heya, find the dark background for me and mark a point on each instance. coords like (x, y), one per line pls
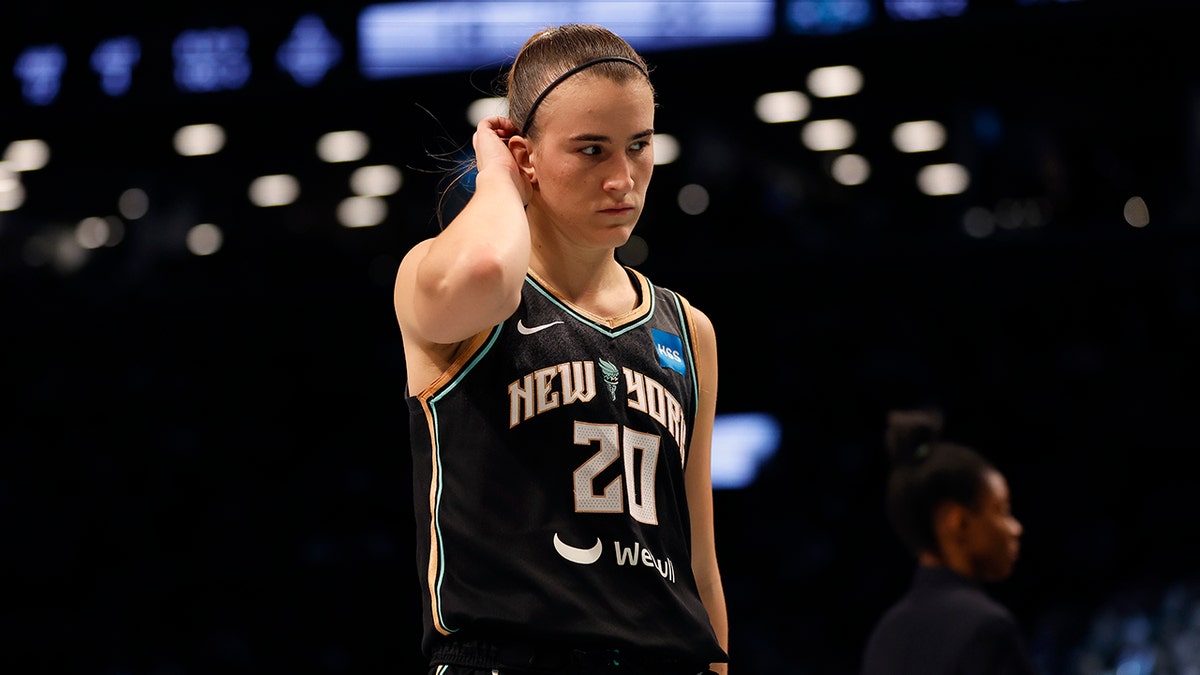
(204, 463)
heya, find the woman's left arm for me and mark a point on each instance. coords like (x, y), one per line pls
(699, 486)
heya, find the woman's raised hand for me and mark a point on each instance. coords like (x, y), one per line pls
(492, 152)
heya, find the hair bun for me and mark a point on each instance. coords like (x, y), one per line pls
(910, 432)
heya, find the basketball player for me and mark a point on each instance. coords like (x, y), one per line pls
(951, 509)
(561, 404)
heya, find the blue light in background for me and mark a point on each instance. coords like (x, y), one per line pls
(309, 52)
(414, 38)
(114, 60)
(827, 17)
(987, 126)
(214, 59)
(40, 70)
(920, 10)
(742, 443)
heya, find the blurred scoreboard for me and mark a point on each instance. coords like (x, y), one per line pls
(231, 47)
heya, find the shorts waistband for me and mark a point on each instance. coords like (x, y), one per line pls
(543, 658)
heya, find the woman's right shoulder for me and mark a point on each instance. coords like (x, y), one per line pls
(417, 252)
(406, 279)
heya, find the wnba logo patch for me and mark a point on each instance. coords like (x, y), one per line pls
(670, 351)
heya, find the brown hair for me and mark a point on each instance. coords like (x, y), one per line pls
(550, 53)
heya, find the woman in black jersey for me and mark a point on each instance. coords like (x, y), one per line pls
(951, 509)
(561, 405)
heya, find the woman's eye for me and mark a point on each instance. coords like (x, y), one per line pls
(639, 146)
(591, 150)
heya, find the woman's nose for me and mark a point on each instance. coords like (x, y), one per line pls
(620, 178)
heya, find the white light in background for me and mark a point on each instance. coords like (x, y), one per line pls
(943, 179)
(1137, 213)
(833, 81)
(12, 191)
(343, 146)
(693, 199)
(69, 256)
(376, 181)
(204, 239)
(133, 203)
(55, 246)
(835, 134)
(666, 148)
(634, 251)
(483, 108)
(361, 211)
(782, 106)
(92, 232)
(979, 222)
(274, 190)
(12, 198)
(29, 154)
(741, 444)
(850, 169)
(919, 136)
(195, 140)
(1011, 213)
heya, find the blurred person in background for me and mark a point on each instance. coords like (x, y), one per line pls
(950, 507)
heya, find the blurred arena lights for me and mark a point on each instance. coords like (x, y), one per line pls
(919, 136)
(850, 169)
(361, 211)
(782, 106)
(274, 190)
(742, 443)
(403, 39)
(849, 135)
(979, 222)
(12, 191)
(834, 81)
(483, 108)
(93, 232)
(666, 149)
(133, 203)
(57, 247)
(195, 140)
(343, 146)
(943, 179)
(693, 199)
(379, 180)
(1136, 212)
(204, 239)
(829, 134)
(28, 154)
(635, 251)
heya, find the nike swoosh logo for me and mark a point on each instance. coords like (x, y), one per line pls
(583, 556)
(530, 331)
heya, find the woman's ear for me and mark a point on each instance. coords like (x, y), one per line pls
(949, 521)
(519, 147)
(956, 518)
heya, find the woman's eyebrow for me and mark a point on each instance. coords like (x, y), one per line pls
(601, 138)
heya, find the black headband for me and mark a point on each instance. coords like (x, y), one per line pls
(550, 87)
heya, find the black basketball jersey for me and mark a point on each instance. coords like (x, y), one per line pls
(549, 480)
